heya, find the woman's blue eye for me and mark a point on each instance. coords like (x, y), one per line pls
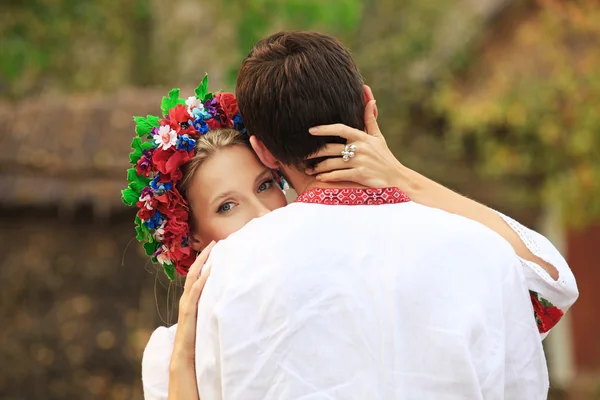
(225, 207)
(265, 185)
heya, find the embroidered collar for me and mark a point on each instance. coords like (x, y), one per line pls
(353, 196)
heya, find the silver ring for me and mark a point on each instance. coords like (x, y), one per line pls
(348, 152)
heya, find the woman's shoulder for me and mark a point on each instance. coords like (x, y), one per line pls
(155, 363)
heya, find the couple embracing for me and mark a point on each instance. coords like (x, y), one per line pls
(376, 283)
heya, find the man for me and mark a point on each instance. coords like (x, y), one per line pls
(355, 293)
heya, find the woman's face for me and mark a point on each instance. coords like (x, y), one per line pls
(230, 189)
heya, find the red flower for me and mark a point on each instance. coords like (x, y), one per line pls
(168, 163)
(213, 124)
(179, 114)
(175, 208)
(226, 122)
(144, 164)
(546, 316)
(144, 213)
(176, 161)
(185, 258)
(228, 104)
(160, 158)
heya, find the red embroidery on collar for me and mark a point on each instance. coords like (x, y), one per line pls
(354, 196)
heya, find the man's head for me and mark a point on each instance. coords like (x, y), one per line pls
(292, 81)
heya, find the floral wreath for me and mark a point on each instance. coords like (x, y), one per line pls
(161, 147)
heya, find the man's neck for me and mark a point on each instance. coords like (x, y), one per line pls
(303, 183)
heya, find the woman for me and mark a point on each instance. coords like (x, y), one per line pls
(199, 160)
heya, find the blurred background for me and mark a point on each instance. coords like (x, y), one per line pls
(497, 99)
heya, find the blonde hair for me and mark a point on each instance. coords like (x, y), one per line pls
(206, 146)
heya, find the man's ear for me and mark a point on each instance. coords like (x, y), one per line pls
(264, 155)
(368, 93)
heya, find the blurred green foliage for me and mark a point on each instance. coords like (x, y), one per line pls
(534, 111)
(71, 44)
(532, 118)
(256, 19)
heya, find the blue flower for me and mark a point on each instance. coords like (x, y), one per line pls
(238, 123)
(155, 221)
(185, 143)
(159, 187)
(201, 126)
(197, 113)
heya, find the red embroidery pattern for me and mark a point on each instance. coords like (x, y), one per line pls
(546, 314)
(354, 196)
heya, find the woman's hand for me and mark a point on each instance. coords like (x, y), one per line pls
(373, 164)
(182, 377)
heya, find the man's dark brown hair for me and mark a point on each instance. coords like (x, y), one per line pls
(292, 81)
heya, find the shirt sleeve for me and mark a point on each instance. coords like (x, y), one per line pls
(550, 298)
(155, 364)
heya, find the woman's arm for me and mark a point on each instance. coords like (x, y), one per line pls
(182, 368)
(551, 282)
(429, 193)
(168, 364)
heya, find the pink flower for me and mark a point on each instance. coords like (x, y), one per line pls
(163, 255)
(166, 137)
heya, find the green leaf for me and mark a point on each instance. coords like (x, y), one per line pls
(136, 145)
(132, 176)
(147, 145)
(130, 197)
(143, 126)
(202, 90)
(140, 235)
(171, 101)
(151, 247)
(138, 148)
(142, 231)
(170, 271)
(139, 185)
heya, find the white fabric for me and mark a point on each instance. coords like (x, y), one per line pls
(562, 293)
(155, 363)
(367, 302)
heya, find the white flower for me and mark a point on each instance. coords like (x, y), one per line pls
(147, 200)
(163, 256)
(191, 103)
(166, 137)
(159, 233)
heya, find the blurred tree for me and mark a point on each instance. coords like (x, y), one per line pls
(72, 44)
(256, 19)
(528, 107)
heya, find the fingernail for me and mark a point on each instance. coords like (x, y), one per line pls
(308, 171)
(319, 177)
(313, 130)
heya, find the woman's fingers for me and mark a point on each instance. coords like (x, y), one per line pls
(343, 175)
(330, 164)
(343, 131)
(189, 300)
(370, 118)
(329, 150)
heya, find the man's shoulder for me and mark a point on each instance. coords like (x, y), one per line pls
(409, 222)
